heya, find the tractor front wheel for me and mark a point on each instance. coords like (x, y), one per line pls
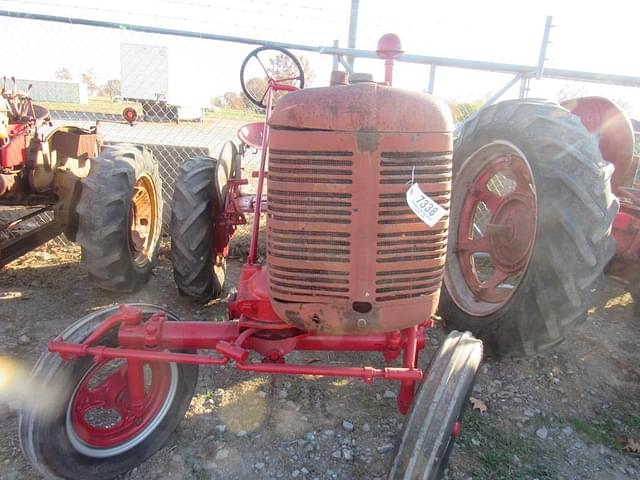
(434, 421)
(530, 220)
(120, 217)
(86, 426)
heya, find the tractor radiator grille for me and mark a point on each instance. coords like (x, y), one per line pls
(309, 208)
(409, 254)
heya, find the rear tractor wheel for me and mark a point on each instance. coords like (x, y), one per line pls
(434, 422)
(531, 212)
(120, 218)
(85, 426)
(198, 266)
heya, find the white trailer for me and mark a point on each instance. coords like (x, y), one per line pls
(153, 76)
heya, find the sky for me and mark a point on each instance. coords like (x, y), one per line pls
(584, 37)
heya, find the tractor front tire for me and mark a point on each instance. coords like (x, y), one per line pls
(120, 218)
(198, 270)
(434, 420)
(546, 242)
(82, 425)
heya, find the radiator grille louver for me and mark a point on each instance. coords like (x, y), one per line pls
(319, 219)
(415, 243)
(310, 208)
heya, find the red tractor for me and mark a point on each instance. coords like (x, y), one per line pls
(619, 141)
(107, 198)
(359, 208)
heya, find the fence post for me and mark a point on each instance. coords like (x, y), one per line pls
(353, 28)
(432, 79)
(543, 48)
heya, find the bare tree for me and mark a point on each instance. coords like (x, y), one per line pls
(282, 66)
(63, 73)
(89, 79)
(112, 89)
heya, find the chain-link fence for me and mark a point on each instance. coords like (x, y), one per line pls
(186, 92)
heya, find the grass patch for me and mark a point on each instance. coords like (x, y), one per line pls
(609, 427)
(239, 115)
(505, 455)
(95, 105)
(108, 106)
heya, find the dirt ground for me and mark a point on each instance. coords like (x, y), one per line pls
(566, 414)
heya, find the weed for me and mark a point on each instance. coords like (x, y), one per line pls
(609, 426)
(506, 455)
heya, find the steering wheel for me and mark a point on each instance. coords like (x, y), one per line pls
(290, 73)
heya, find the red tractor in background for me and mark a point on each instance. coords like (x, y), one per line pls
(370, 206)
(619, 141)
(107, 198)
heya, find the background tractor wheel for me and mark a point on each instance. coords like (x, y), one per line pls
(120, 217)
(433, 423)
(529, 234)
(198, 270)
(84, 426)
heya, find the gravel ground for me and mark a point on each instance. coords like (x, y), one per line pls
(562, 415)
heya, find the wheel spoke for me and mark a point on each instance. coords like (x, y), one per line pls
(470, 246)
(266, 72)
(521, 179)
(287, 79)
(489, 198)
(264, 94)
(138, 193)
(490, 285)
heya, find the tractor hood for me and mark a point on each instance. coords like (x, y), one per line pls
(362, 107)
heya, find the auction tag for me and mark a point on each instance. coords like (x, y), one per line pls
(423, 206)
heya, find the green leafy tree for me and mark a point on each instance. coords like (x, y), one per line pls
(463, 110)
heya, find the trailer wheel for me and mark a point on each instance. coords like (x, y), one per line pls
(83, 427)
(434, 420)
(198, 269)
(530, 220)
(120, 217)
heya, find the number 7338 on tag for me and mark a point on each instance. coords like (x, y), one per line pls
(424, 206)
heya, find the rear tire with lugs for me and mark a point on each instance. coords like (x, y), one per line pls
(198, 270)
(120, 217)
(544, 244)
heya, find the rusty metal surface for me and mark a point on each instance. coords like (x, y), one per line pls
(364, 107)
(615, 134)
(346, 255)
(75, 143)
(16, 247)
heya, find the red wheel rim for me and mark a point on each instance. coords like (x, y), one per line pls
(493, 243)
(100, 415)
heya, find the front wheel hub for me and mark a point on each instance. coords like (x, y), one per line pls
(511, 232)
(101, 419)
